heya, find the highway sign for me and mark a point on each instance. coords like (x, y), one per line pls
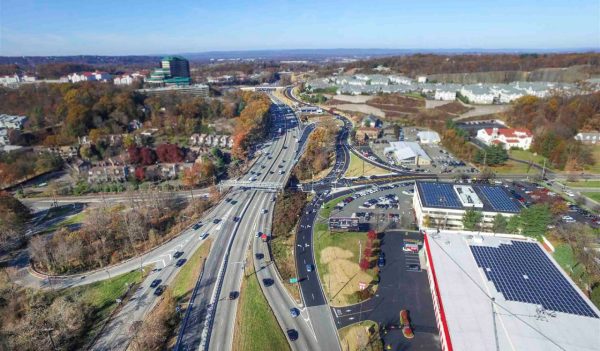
(293, 280)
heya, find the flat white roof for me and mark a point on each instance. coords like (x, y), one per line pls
(467, 196)
(475, 322)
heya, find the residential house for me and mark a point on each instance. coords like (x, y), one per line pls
(478, 94)
(106, 172)
(363, 134)
(507, 137)
(400, 80)
(371, 121)
(588, 137)
(421, 79)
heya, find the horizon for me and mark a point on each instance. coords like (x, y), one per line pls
(35, 28)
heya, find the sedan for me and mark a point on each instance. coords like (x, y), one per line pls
(159, 290)
(180, 262)
(292, 334)
(294, 312)
(309, 267)
(155, 283)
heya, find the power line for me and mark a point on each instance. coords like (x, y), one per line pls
(493, 299)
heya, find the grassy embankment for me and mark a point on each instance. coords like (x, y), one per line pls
(337, 256)
(256, 327)
(355, 168)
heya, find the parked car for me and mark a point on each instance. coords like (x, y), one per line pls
(380, 262)
(292, 334)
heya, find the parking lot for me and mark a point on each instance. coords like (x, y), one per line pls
(401, 287)
(383, 207)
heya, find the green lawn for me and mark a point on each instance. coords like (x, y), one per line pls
(563, 254)
(102, 295)
(355, 168)
(415, 95)
(528, 156)
(256, 326)
(361, 336)
(584, 184)
(593, 196)
(186, 278)
(513, 167)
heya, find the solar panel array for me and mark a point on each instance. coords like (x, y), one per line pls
(438, 195)
(498, 199)
(522, 272)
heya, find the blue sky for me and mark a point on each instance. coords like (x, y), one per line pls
(112, 27)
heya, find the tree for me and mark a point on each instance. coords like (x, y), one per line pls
(514, 224)
(147, 156)
(472, 219)
(135, 156)
(534, 220)
(371, 234)
(491, 155)
(500, 224)
(169, 153)
(426, 221)
(367, 252)
(364, 264)
(140, 173)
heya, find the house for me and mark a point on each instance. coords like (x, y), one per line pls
(421, 79)
(408, 152)
(400, 80)
(371, 121)
(509, 137)
(4, 137)
(445, 92)
(195, 139)
(65, 152)
(108, 173)
(367, 133)
(378, 79)
(428, 137)
(588, 137)
(223, 140)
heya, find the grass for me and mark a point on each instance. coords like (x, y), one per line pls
(595, 168)
(414, 95)
(563, 254)
(185, 280)
(336, 256)
(102, 297)
(584, 184)
(361, 336)
(256, 327)
(355, 169)
(593, 196)
(528, 156)
(513, 167)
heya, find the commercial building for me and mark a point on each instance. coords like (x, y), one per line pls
(428, 137)
(346, 224)
(500, 292)
(507, 137)
(408, 152)
(12, 121)
(174, 70)
(96, 76)
(443, 205)
(194, 90)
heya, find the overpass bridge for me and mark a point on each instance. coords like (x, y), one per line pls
(268, 186)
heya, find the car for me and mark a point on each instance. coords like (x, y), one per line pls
(216, 220)
(155, 283)
(294, 312)
(259, 256)
(228, 199)
(177, 254)
(292, 334)
(159, 290)
(180, 262)
(197, 226)
(236, 219)
(264, 210)
(414, 267)
(380, 262)
(233, 295)
(268, 281)
(309, 267)
(204, 236)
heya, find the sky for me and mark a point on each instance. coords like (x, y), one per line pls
(124, 27)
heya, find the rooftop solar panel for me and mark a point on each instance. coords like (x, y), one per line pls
(498, 199)
(522, 272)
(438, 195)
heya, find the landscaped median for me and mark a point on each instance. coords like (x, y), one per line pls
(256, 327)
(337, 255)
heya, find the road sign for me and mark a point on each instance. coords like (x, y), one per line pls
(293, 280)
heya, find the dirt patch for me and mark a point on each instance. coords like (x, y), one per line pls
(361, 108)
(354, 99)
(343, 275)
(361, 336)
